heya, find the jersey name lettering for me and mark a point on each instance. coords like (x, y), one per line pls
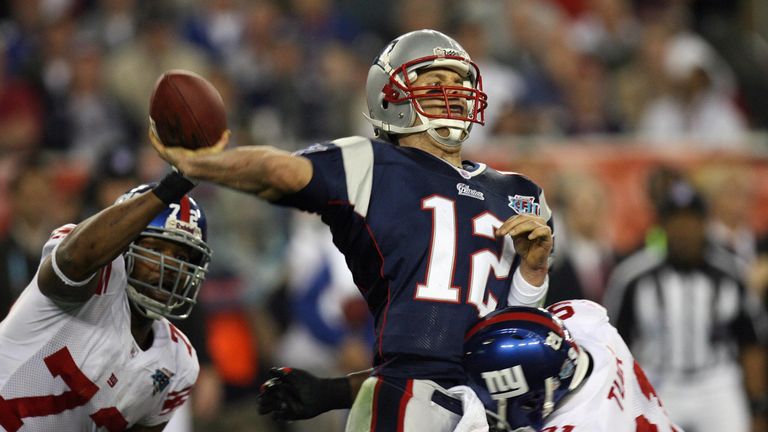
(617, 389)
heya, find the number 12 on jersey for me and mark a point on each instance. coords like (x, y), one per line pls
(437, 285)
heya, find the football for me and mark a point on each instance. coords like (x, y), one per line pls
(186, 110)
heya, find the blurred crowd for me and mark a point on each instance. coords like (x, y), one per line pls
(75, 82)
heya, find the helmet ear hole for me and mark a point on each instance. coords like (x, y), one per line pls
(385, 104)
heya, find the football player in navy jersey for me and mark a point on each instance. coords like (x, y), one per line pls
(434, 242)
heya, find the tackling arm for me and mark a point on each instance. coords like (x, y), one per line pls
(295, 394)
(93, 244)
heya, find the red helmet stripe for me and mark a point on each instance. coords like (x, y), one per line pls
(515, 316)
(184, 211)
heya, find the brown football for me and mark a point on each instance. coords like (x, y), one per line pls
(186, 110)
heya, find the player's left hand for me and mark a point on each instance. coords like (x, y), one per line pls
(533, 240)
(295, 394)
(176, 156)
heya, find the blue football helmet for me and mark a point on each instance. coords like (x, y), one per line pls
(521, 362)
(182, 222)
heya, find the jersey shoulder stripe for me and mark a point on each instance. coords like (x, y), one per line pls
(357, 154)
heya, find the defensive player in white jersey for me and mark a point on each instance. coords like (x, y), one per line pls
(87, 346)
(565, 369)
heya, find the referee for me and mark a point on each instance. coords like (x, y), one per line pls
(691, 323)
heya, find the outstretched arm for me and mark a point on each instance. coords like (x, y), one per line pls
(295, 394)
(67, 273)
(264, 171)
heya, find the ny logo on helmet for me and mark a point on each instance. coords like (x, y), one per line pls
(509, 382)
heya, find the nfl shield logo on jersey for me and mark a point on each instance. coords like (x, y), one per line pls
(160, 380)
(522, 204)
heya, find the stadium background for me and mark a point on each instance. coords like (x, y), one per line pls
(594, 93)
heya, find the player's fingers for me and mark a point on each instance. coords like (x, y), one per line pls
(271, 396)
(519, 227)
(542, 232)
(170, 154)
(278, 372)
(222, 142)
(155, 141)
(514, 225)
(216, 148)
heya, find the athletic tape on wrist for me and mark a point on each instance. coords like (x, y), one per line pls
(172, 187)
(67, 281)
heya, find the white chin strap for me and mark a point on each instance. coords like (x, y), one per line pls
(458, 130)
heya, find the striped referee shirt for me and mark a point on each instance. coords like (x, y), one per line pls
(681, 321)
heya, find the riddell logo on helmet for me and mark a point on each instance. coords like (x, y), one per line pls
(446, 52)
(179, 225)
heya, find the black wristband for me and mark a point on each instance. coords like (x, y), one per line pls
(338, 393)
(173, 187)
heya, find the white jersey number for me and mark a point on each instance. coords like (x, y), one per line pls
(442, 256)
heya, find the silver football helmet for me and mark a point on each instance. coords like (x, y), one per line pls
(394, 103)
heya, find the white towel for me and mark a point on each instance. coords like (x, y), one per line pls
(474, 419)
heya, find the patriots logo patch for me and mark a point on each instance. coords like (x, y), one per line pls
(160, 380)
(522, 204)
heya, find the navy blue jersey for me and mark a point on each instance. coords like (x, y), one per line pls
(418, 236)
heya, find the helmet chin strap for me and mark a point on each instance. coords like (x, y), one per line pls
(458, 130)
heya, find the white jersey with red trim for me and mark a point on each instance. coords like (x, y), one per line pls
(76, 366)
(616, 397)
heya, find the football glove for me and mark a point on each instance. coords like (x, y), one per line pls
(294, 394)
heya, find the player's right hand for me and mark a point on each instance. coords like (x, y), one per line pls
(294, 394)
(176, 156)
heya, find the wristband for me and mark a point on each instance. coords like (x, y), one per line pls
(174, 186)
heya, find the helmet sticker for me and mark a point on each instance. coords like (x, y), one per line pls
(445, 52)
(553, 341)
(506, 383)
(176, 220)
